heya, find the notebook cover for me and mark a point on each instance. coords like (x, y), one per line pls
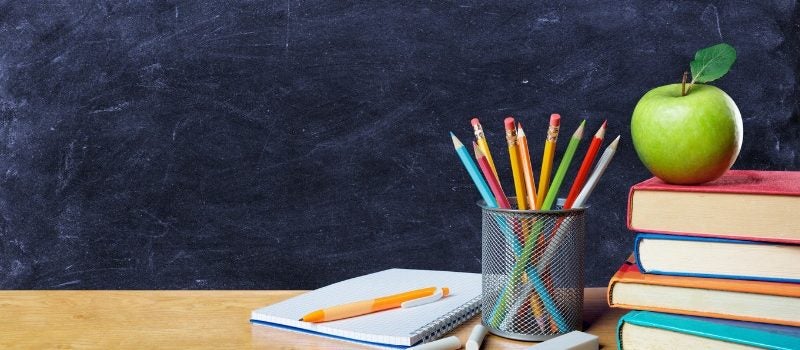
(783, 183)
(629, 273)
(645, 270)
(746, 333)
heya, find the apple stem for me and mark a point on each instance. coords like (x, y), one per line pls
(683, 83)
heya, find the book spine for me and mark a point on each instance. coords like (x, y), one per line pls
(629, 214)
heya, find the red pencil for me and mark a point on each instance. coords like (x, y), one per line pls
(486, 169)
(583, 172)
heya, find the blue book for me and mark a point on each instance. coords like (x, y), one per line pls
(648, 330)
(717, 258)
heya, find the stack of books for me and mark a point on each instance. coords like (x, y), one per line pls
(714, 266)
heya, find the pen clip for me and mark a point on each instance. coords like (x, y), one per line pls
(438, 294)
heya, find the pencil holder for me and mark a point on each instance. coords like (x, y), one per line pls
(532, 272)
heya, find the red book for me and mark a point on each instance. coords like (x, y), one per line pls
(742, 204)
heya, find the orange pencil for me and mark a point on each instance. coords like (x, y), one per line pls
(591, 154)
(527, 170)
(516, 164)
(547, 158)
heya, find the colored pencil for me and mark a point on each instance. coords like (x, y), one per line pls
(602, 164)
(552, 193)
(530, 200)
(474, 173)
(516, 164)
(483, 162)
(547, 158)
(588, 160)
(527, 169)
(558, 235)
(480, 137)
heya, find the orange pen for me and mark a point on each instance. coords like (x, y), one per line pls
(364, 307)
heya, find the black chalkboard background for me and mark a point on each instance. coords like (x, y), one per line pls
(290, 145)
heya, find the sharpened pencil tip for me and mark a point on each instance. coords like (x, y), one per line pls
(614, 143)
(477, 150)
(601, 133)
(456, 142)
(579, 133)
(520, 132)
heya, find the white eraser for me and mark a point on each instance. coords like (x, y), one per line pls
(574, 340)
(449, 343)
(476, 337)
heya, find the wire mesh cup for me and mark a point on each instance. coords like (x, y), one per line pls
(532, 272)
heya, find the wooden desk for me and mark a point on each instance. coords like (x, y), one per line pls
(191, 320)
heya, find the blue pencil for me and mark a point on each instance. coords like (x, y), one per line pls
(474, 173)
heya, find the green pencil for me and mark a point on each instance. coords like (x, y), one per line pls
(562, 168)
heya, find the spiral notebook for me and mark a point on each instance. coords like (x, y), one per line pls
(395, 328)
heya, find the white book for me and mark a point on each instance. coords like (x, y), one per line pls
(400, 327)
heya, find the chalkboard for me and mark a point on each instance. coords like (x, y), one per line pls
(271, 145)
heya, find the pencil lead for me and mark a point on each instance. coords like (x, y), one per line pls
(520, 132)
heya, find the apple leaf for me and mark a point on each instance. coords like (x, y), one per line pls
(712, 63)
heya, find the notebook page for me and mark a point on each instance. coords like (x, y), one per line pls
(396, 326)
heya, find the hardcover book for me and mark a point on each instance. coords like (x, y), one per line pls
(717, 258)
(654, 330)
(756, 301)
(742, 204)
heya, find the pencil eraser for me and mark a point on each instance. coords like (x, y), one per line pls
(449, 343)
(574, 340)
(509, 122)
(475, 122)
(555, 119)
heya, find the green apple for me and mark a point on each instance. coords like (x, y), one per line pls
(687, 139)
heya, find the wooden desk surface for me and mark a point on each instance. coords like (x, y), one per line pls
(192, 320)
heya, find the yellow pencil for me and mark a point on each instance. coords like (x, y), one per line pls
(547, 158)
(480, 137)
(519, 185)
